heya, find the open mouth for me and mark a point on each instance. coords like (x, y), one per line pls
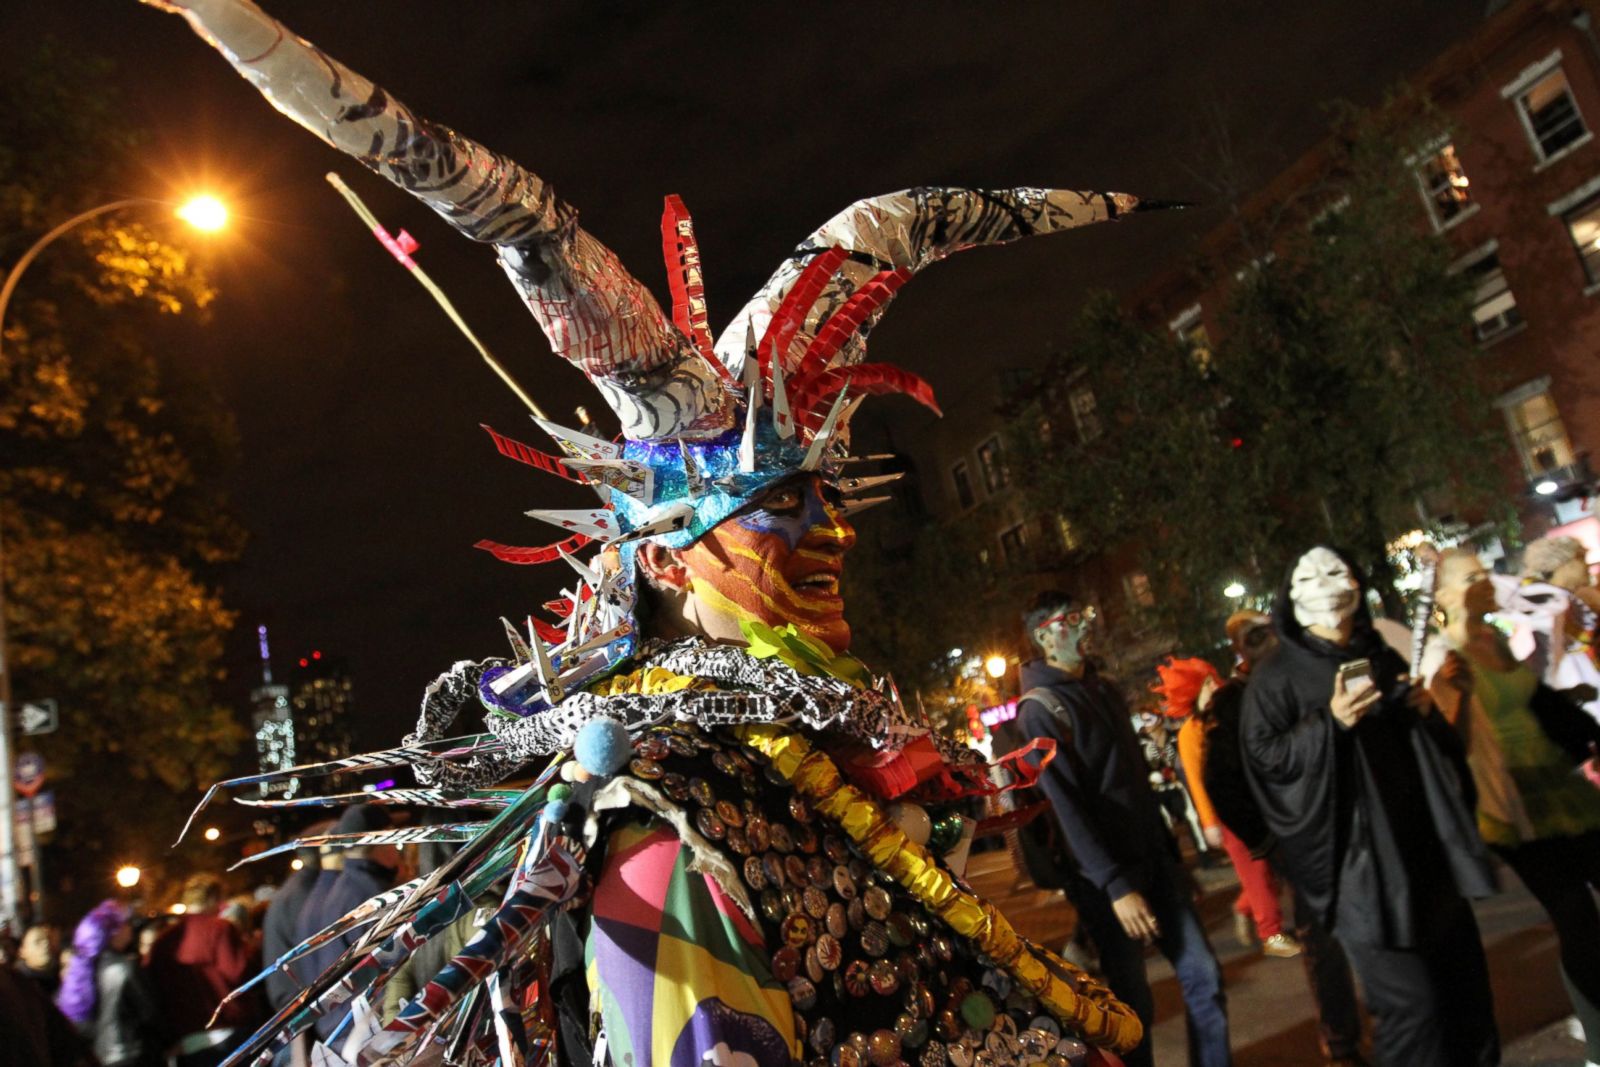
(822, 582)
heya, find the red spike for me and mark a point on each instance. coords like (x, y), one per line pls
(796, 303)
(535, 554)
(843, 324)
(874, 378)
(550, 635)
(533, 457)
(686, 281)
(561, 607)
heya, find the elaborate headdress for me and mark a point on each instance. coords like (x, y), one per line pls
(707, 426)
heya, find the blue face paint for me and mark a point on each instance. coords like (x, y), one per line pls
(790, 511)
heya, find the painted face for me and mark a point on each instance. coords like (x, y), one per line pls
(1062, 636)
(1324, 591)
(778, 561)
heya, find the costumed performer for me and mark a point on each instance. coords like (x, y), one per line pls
(1361, 782)
(739, 865)
(1524, 741)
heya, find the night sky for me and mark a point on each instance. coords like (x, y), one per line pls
(365, 478)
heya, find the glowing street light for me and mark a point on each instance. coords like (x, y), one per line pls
(128, 877)
(297, 864)
(178, 909)
(205, 213)
(212, 833)
(1233, 590)
(1546, 487)
(995, 666)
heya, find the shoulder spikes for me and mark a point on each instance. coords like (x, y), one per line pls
(589, 575)
(519, 648)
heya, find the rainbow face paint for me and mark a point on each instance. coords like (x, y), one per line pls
(779, 561)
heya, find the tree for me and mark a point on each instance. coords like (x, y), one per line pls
(1342, 397)
(111, 506)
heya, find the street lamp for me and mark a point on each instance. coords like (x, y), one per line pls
(128, 877)
(212, 833)
(1233, 590)
(204, 213)
(995, 666)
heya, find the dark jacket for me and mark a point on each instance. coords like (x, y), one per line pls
(1374, 822)
(124, 1011)
(1225, 780)
(278, 931)
(1098, 784)
(360, 880)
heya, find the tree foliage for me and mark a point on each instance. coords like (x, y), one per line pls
(111, 509)
(1343, 396)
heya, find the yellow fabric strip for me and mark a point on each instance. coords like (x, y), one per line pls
(1070, 995)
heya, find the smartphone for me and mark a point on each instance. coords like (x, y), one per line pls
(1356, 675)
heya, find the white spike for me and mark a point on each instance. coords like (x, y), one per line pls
(599, 640)
(781, 420)
(618, 475)
(752, 410)
(861, 485)
(676, 517)
(578, 444)
(691, 473)
(819, 443)
(519, 647)
(853, 508)
(547, 673)
(586, 573)
(599, 524)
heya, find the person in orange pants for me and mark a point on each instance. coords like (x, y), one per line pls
(1186, 689)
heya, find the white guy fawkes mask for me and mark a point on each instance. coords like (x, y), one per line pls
(1323, 590)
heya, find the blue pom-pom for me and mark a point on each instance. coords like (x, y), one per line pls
(555, 811)
(602, 747)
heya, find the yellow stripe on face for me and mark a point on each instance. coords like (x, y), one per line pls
(776, 576)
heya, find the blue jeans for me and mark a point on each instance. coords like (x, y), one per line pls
(1183, 942)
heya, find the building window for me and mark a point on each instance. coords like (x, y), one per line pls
(1445, 187)
(1536, 428)
(1550, 114)
(963, 483)
(1583, 225)
(993, 466)
(1494, 306)
(1013, 545)
(1136, 586)
(1081, 401)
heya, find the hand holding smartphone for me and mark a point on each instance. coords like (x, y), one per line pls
(1354, 692)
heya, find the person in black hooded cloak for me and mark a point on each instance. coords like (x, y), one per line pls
(1366, 791)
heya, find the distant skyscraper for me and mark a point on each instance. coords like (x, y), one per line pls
(321, 697)
(274, 724)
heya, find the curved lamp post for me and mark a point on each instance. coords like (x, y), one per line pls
(203, 213)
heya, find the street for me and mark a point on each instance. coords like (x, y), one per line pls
(1271, 1017)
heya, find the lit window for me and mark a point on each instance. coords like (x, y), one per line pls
(1081, 401)
(1494, 306)
(1536, 428)
(1136, 585)
(1444, 186)
(1013, 545)
(1583, 224)
(992, 464)
(1550, 114)
(1066, 536)
(963, 483)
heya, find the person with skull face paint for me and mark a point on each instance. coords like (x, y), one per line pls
(1129, 886)
(1359, 781)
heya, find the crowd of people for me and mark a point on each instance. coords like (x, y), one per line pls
(135, 991)
(1376, 793)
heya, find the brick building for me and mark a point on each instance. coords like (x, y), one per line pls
(1512, 183)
